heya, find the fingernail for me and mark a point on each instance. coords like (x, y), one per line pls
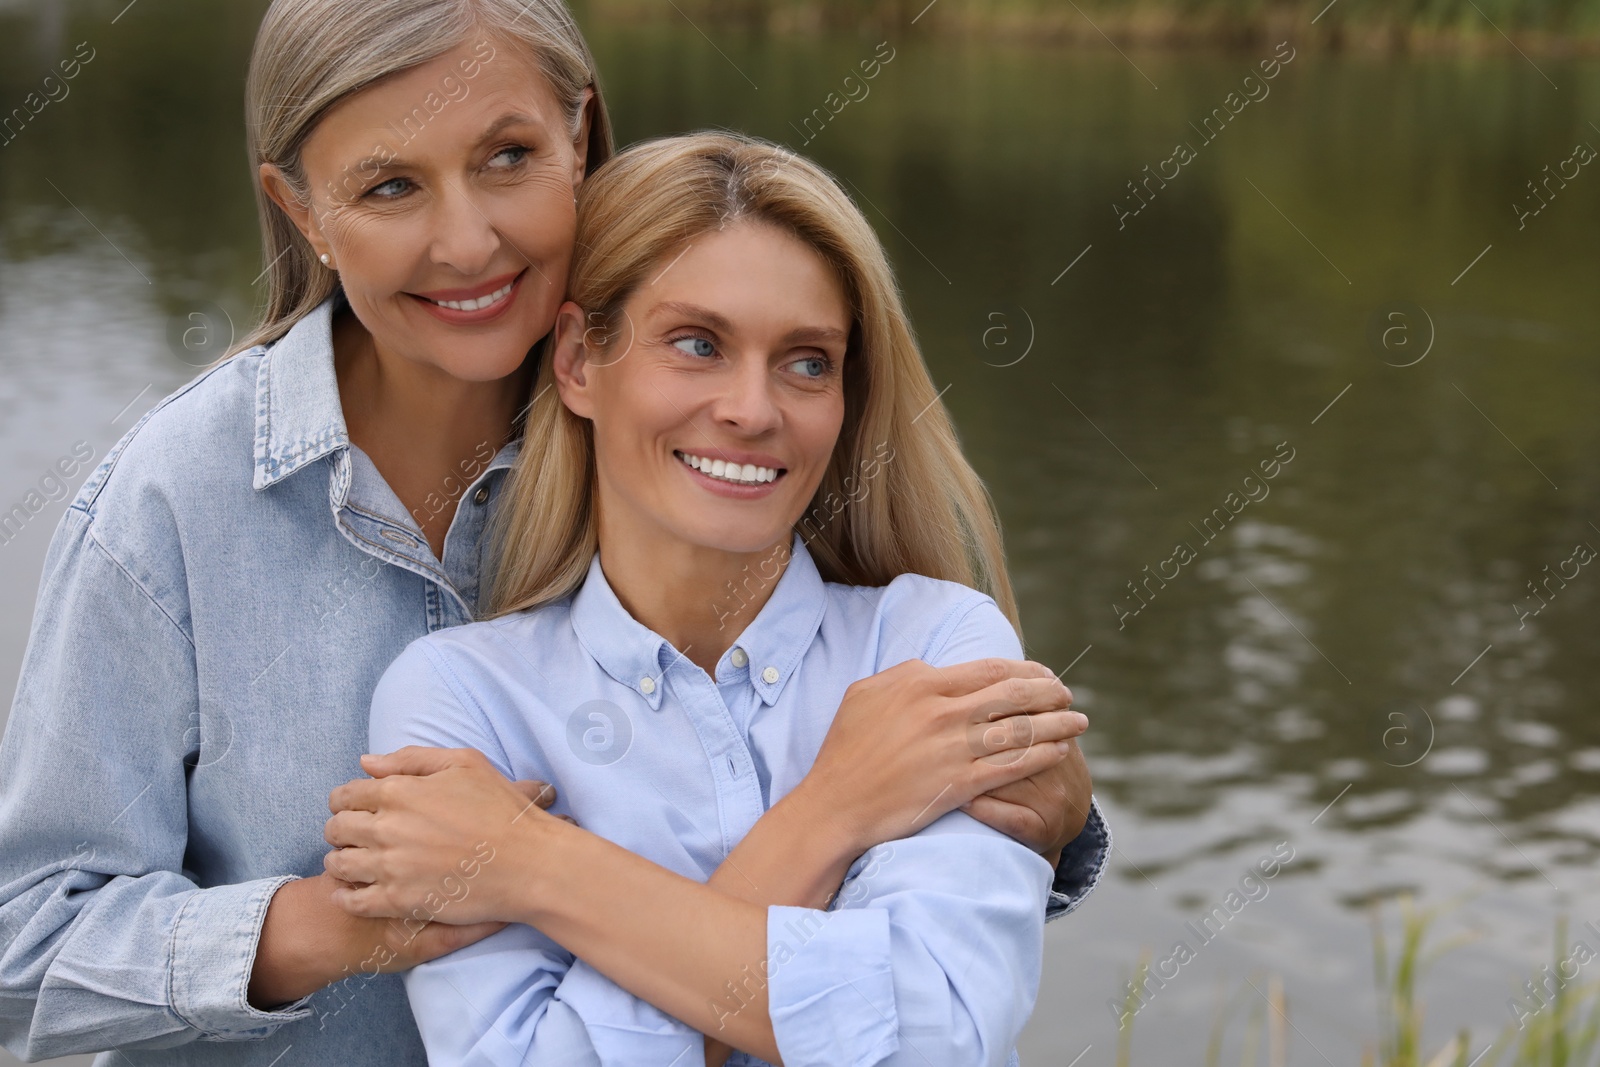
(1063, 747)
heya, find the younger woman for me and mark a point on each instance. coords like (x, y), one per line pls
(739, 496)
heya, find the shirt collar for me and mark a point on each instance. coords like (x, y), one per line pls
(773, 643)
(298, 415)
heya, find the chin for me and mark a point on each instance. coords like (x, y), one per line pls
(484, 363)
(737, 538)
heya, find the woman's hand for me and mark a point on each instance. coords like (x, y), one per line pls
(914, 742)
(418, 841)
(1046, 812)
(307, 942)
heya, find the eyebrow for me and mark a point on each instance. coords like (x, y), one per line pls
(511, 118)
(693, 311)
(495, 129)
(799, 335)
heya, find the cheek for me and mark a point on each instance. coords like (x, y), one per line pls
(540, 217)
(540, 225)
(634, 408)
(371, 252)
(817, 427)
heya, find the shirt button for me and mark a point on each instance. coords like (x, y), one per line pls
(770, 675)
(739, 657)
(481, 497)
(648, 685)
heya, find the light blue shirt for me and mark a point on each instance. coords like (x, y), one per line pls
(216, 607)
(931, 952)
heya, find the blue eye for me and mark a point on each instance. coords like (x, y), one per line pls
(815, 367)
(521, 151)
(697, 346)
(378, 190)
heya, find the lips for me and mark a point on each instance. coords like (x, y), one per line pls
(735, 473)
(480, 303)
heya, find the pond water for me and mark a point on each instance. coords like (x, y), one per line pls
(1295, 443)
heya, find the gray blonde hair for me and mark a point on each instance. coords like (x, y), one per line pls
(310, 54)
(898, 497)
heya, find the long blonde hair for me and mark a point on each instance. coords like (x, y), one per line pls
(310, 54)
(924, 511)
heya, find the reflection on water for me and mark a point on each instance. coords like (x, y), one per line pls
(1380, 653)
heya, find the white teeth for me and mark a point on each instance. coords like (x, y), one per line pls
(480, 303)
(741, 474)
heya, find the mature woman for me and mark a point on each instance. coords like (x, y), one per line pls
(227, 588)
(712, 402)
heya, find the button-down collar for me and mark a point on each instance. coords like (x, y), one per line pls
(774, 642)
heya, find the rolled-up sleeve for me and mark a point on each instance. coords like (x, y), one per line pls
(103, 941)
(515, 997)
(930, 954)
(1082, 865)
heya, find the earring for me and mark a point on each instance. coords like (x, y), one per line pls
(325, 259)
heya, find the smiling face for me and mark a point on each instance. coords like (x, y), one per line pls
(716, 410)
(443, 196)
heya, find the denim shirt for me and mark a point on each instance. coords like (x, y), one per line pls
(217, 606)
(929, 953)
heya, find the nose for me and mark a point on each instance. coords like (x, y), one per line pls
(747, 402)
(464, 238)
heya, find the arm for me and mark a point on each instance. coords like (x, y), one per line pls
(982, 632)
(1052, 810)
(935, 945)
(798, 852)
(416, 705)
(933, 954)
(103, 942)
(517, 996)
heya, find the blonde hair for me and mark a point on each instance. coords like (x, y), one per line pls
(310, 54)
(925, 511)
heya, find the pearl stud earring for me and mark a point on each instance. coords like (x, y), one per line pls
(325, 259)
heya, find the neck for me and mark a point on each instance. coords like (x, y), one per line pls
(417, 415)
(700, 599)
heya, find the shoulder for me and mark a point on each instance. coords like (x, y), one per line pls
(917, 617)
(196, 441)
(451, 688)
(162, 481)
(481, 662)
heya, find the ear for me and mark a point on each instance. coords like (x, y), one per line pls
(278, 191)
(580, 144)
(569, 361)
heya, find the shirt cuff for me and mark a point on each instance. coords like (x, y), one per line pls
(1083, 864)
(212, 953)
(830, 990)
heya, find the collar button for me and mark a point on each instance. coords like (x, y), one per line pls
(647, 685)
(770, 676)
(481, 497)
(739, 657)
